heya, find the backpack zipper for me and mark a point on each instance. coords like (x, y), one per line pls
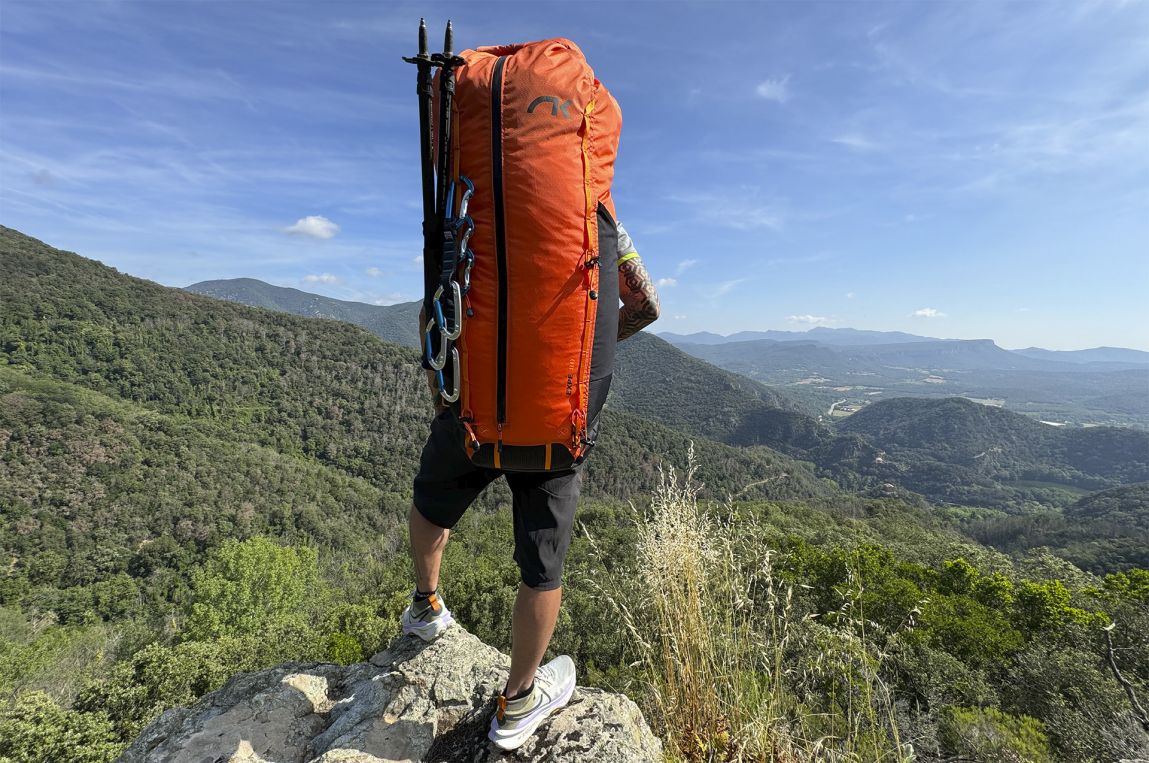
(500, 236)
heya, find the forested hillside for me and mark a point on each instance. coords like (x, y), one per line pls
(394, 323)
(964, 452)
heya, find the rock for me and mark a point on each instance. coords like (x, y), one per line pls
(412, 702)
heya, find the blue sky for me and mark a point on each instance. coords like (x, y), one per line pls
(956, 169)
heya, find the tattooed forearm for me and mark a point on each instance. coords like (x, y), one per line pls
(639, 300)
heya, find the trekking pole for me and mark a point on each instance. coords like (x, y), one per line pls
(446, 301)
(431, 231)
(446, 61)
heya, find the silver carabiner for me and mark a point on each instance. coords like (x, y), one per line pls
(470, 259)
(439, 362)
(457, 326)
(454, 378)
(468, 226)
(466, 195)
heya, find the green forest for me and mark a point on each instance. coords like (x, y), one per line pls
(191, 488)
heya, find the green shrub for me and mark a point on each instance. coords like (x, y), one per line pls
(987, 735)
(37, 730)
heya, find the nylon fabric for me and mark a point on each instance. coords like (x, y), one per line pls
(558, 154)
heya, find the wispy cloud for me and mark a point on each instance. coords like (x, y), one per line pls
(663, 283)
(684, 266)
(775, 89)
(927, 312)
(327, 278)
(313, 226)
(374, 272)
(856, 141)
(721, 289)
(811, 320)
(737, 209)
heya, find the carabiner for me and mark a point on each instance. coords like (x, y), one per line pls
(456, 328)
(469, 258)
(468, 226)
(438, 362)
(466, 195)
(454, 378)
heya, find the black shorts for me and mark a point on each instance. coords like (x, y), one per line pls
(543, 502)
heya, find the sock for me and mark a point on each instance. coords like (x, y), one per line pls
(521, 694)
(423, 596)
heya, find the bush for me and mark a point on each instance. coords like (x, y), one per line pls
(37, 730)
(247, 585)
(987, 735)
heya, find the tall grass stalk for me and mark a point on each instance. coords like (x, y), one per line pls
(716, 636)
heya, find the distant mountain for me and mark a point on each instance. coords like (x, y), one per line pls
(658, 381)
(923, 354)
(849, 377)
(831, 336)
(1100, 355)
(964, 452)
(395, 323)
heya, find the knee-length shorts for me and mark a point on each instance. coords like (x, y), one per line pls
(543, 503)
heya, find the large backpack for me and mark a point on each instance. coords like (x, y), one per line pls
(536, 135)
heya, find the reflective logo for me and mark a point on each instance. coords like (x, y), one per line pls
(556, 106)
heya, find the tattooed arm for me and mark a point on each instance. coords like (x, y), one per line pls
(639, 300)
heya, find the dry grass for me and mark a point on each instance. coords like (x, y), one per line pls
(732, 674)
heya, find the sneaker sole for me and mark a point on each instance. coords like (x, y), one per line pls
(429, 631)
(515, 739)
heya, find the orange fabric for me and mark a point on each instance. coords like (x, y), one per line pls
(559, 139)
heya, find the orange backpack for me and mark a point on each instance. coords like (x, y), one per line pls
(534, 140)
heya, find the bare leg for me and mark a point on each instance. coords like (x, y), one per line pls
(535, 615)
(427, 543)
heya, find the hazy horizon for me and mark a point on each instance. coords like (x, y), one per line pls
(968, 170)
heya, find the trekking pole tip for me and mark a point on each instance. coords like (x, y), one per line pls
(422, 37)
(448, 40)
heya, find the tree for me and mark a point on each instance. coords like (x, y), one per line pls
(246, 586)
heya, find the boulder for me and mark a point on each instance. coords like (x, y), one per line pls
(412, 702)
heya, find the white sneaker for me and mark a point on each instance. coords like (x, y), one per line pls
(517, 719)
(427, 619)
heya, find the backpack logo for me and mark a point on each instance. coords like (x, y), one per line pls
(556, 106)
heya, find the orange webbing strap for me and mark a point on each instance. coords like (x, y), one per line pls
(502, 707)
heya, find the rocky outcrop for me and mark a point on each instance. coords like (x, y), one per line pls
(412, 702)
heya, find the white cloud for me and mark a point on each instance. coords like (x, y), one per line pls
(855, 141)
(810, 320)
(849, 295)
(664, 282)
(374, 272)
(680, 317)
(315, 226)
(927, 312)
(417, 259)
(321, 278)
(721, 289)
(1023, 309)
(393, 298)
(684, 266)
(775, 89)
